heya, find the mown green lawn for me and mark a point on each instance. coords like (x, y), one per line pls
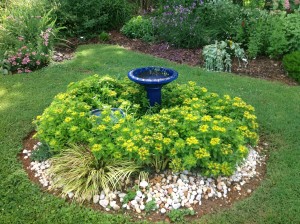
(23, 97)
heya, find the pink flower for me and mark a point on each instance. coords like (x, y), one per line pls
(14, 63)
(19, 70)
(286, 4)
(33, 53)
(46, 43)
(297, 2)
(38, 62)
(25, 60)
(27, 70)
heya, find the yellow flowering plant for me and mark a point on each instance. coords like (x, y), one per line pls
(192, 129)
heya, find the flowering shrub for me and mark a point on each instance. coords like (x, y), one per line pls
(27, 35)
(196, 23)
(26, 59)
(193, 129)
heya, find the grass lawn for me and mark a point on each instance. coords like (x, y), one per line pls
(23, 97)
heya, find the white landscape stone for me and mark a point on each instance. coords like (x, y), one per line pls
(104, 203)
(163, 211)
(116, 207)
(112, 203)
(178, 190)
(96, 198)
(144, 184)
(70, 194)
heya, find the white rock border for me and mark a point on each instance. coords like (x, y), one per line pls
(172, 191)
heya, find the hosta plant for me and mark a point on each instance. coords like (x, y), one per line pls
(218, 55)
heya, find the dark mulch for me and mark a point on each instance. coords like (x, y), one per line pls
(261, 67)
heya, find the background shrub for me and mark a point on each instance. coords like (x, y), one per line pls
(291, 63)
(139, 27)
(194, 23)
(87, 18)
(193, 129)
(263, 33)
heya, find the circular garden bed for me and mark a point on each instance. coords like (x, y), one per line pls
(194, 147)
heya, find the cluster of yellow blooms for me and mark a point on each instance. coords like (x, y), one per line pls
(196, 130)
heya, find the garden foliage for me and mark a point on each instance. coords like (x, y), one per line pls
(192, 24)
(195, 23)
(263, 33)
(193, 129)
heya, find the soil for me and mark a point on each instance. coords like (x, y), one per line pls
(208, 206)
(261, 67)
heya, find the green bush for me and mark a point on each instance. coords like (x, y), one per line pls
(291, 63)
(292, 31)
(139, 27)
(103, 36)
(87, 18)
(193, 129)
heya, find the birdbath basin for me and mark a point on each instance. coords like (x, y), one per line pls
(98, 113)
(153, 78)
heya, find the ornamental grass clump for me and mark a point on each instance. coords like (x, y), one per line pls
(193, 129)
(76, 170)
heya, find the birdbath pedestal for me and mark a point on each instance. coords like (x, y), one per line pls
(153, 78)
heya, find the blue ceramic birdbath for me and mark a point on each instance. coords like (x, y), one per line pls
(153, 78)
